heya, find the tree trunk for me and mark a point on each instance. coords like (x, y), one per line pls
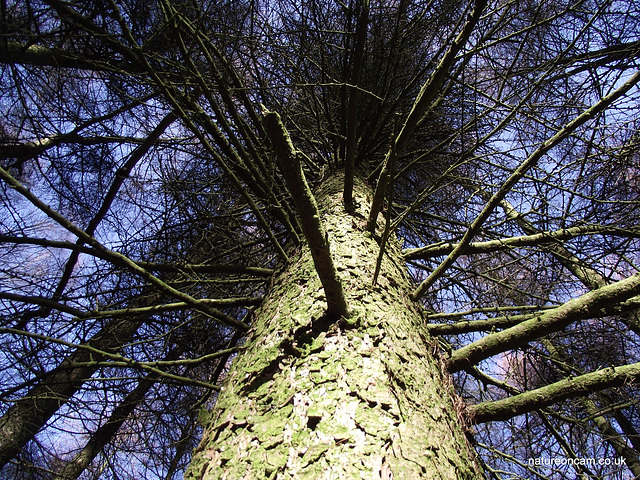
(366, 397)
(107, 431)
(29, 414)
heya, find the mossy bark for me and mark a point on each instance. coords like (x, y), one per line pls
(365, 397)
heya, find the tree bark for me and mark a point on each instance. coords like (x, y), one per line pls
(364, 397)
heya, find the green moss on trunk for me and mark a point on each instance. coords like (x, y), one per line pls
(365, 397)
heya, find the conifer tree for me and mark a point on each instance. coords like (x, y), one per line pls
(300, 239)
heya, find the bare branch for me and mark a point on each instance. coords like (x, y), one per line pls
(556, 392)
(533, 240)
(517, 175)
(551, 321)
(312, 227)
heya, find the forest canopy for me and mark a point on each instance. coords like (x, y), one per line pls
(145, 207)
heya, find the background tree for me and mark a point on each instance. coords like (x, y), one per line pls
(157, 164)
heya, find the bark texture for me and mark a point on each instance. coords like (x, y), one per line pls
(366, 397)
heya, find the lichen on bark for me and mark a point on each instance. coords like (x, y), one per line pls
(365, 397)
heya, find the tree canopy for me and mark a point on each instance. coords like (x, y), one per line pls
(146, 201)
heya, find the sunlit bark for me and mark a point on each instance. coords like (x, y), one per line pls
(362, 397)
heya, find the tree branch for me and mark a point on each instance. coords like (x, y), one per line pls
(208, 268)
(421, 105)
(116, 257)
(116, 357)
(541, 397)
(533, 240)
(518, 173)
(554, 320)
(12, 52)
(312, 227)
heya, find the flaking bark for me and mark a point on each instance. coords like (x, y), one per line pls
(362, 398)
